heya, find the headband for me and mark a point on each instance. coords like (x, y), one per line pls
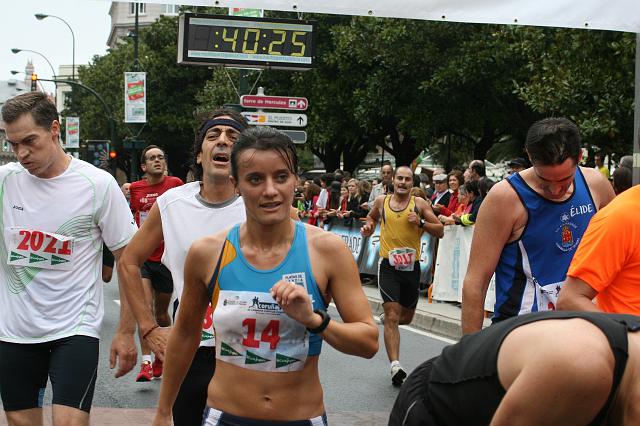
(220, 122)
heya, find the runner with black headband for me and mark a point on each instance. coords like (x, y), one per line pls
(180, 216)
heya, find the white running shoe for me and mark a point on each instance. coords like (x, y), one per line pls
(397, 375)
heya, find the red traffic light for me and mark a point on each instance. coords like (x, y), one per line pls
(113, 154)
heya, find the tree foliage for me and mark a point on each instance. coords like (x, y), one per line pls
(459, 91)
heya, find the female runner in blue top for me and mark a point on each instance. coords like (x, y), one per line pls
(270, 281)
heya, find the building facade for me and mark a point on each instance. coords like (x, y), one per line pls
(123, 16)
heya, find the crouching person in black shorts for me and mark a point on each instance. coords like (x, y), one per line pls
(57, 212)
(403, 218)
(568, 368)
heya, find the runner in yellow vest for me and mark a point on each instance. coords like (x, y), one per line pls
(402, 218)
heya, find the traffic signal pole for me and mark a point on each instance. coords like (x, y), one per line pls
(112, 127)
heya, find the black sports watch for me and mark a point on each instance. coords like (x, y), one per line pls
(422, 222)
(325, 321)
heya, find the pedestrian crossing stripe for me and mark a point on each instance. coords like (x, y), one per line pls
(283, 360)
(33, 258)
(56, 260)
(227, 350)
(252, 358)
(16, 256)
(206, 336)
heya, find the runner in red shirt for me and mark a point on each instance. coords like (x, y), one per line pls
(158, 284)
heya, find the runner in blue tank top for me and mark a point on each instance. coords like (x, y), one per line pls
(269, 281)
(530, 224)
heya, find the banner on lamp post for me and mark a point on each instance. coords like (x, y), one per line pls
(72, 132)
(135, 97)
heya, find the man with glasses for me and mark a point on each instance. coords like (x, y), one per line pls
(56, 213)
(441, 193)
(156, 278)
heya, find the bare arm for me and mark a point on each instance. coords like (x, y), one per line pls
(123, 348)
(185, 335)
(601, 189)
(432, 224)
(372, 218)
(144, 242)
(357, 334)
(576, 295)
(492, 231)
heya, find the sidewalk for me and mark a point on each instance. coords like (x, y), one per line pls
(440, 318)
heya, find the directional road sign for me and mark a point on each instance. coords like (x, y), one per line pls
(275, 119)
(297, 136)
(274, 102)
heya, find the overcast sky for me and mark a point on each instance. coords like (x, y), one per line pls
(89, 20)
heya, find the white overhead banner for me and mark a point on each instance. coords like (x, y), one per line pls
(617, 15)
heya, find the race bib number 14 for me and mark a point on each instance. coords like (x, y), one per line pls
(40, 249)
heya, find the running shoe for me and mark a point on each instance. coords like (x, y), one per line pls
(157, 367)
(397, 375)
(146, 372)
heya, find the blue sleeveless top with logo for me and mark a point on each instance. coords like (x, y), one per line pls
(252, 331)
(532, 269)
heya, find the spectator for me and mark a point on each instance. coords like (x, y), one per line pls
(484, 185)
(517, 165)
(353, 209)
(627, 161)
(456, 180)
(469, 204)
(475, 170)
(333, 203)
(365, 188)
(441, 194)
(311, 194)
(386, 174)
(622, 179)
(418, 192)
(599, 160)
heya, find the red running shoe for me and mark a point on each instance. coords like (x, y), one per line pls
(146, 373)
(157, 367)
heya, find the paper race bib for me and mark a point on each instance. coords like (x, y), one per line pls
(40, 249)
(403, 258)
(143, 217)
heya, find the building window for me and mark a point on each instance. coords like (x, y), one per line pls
(170, 9)
(142, 8)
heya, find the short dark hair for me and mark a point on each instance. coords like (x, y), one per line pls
(622, 179)
(143, 154)
(472, 187)
(197, 144)
(38, 104)
(265, 138)
(478, 167)
(551, 141)
(484, 185)
(327, 178)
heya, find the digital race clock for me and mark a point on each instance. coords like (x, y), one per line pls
(246, 42)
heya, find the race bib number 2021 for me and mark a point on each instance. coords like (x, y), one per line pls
(40, 249)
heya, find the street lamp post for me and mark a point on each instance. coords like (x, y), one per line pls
(40, 17)
(53, 71)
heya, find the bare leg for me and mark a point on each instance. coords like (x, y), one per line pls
(30, 417)
(148, 298)
(69, 416)
(161, 308)
(391, 333)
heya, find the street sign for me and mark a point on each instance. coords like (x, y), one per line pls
(274, 102)
(297, 136)
(275, 119)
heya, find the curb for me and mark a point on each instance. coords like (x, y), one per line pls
(432, 323)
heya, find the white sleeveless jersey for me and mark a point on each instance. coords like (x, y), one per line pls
(51, 250)
(185, 218)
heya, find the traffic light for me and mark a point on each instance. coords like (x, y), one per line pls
(34, 82)
(113, 154)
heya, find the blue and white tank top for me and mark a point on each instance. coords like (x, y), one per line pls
(252, 331)
(532, 269)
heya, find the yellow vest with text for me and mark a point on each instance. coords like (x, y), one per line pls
(395, 229)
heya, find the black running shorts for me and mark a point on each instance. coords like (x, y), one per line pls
(399, 286)
(410, 408)
(159, 275)
(71, 364)
(192, 396)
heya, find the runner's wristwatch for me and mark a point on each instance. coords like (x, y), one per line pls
(325, 321)
(422, 222)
